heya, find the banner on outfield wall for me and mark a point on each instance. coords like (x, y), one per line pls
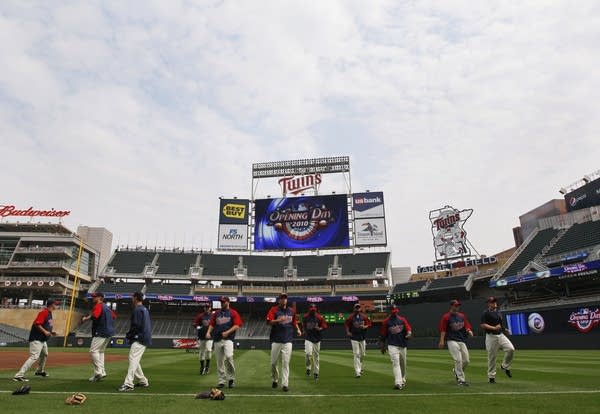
(233, 237)
(301, 223)
(370, 232)
(233, 211)
(368, 205)
(583, 320)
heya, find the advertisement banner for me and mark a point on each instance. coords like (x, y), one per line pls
(569, 271)
(233, 237)
(581, 320)
(367, 205)
(584, 197)
(301, 223)
(185, 343)
(370, 232)
(233, 211)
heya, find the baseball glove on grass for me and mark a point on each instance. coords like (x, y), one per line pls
(76, 399)
(213, 394)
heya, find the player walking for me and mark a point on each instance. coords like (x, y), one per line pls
(202, 323)
(394, 331)
(356, 328)
(313, 325)
(282, 320)
(223, 324)
(140, 337)
(454, 330)
(41, 330)
(495, 339)
(102, 331)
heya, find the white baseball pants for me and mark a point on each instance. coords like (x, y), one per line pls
(460, 355)
(285, 351)
(38, 351)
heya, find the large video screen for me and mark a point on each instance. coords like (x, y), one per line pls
(301, 223)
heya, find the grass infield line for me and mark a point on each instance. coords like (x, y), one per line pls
(399, 393)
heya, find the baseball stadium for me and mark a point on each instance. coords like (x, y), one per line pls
(320, 248)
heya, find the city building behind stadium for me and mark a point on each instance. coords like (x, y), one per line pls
(321, 243)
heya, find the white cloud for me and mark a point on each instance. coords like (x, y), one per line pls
(138, 116)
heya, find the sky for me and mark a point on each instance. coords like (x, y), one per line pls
(138, 116)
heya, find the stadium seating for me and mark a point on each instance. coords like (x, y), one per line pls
(129, 261)
(533, 248)
(452, 282)
(409, 286)
(218, 264)
(175, 263)
(169, 288)
(312, 266)
(264, 266)
(11, 334)
(121, 287)
(578, 236)
(362, 264)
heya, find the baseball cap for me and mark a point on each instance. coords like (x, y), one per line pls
(97, 295)
(357, 306)
(455, 302)
(51, 302)
(492, 299)
(283, 295)
(224, 299)
(312, 306)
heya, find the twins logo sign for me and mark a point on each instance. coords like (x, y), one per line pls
(449, 236)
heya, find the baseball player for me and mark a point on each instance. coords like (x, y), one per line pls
(102, 331)
(140, 337)
(223, 324)
(394, 332)
(41, 330)
(356, 328)
(454, 330)
(202, 323)
(282, 320)
(313, 325)
(495, 339)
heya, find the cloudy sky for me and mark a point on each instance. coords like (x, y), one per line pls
(138, 116)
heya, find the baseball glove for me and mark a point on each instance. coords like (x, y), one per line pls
(76, 399)
(22, 391)
(213, 394)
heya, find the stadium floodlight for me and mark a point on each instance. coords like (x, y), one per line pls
(563, 191)
(587, 178)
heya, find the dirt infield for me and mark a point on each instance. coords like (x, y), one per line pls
(14, 359)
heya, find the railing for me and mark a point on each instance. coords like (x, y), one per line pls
(45, 249)
(516, 254)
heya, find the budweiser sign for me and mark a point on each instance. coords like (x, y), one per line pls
(8, 211)
(297, 184)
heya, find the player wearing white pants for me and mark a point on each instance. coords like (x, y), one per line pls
(398, 358)
(313, 324)
(282, 320)
(41, 330)
(359, 350)
(224, 355)
(311, 352)
(491, 322)
(356, 328)
(134, 372)
(102, 331)
(395, 330)
(139, 336)
(283, 350)
(460, 354)
(38, 351)
(455, 329)
(222, 327)
(494, 343)
(97, 348)
(205, 349)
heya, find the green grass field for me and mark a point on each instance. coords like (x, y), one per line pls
(543, 382)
